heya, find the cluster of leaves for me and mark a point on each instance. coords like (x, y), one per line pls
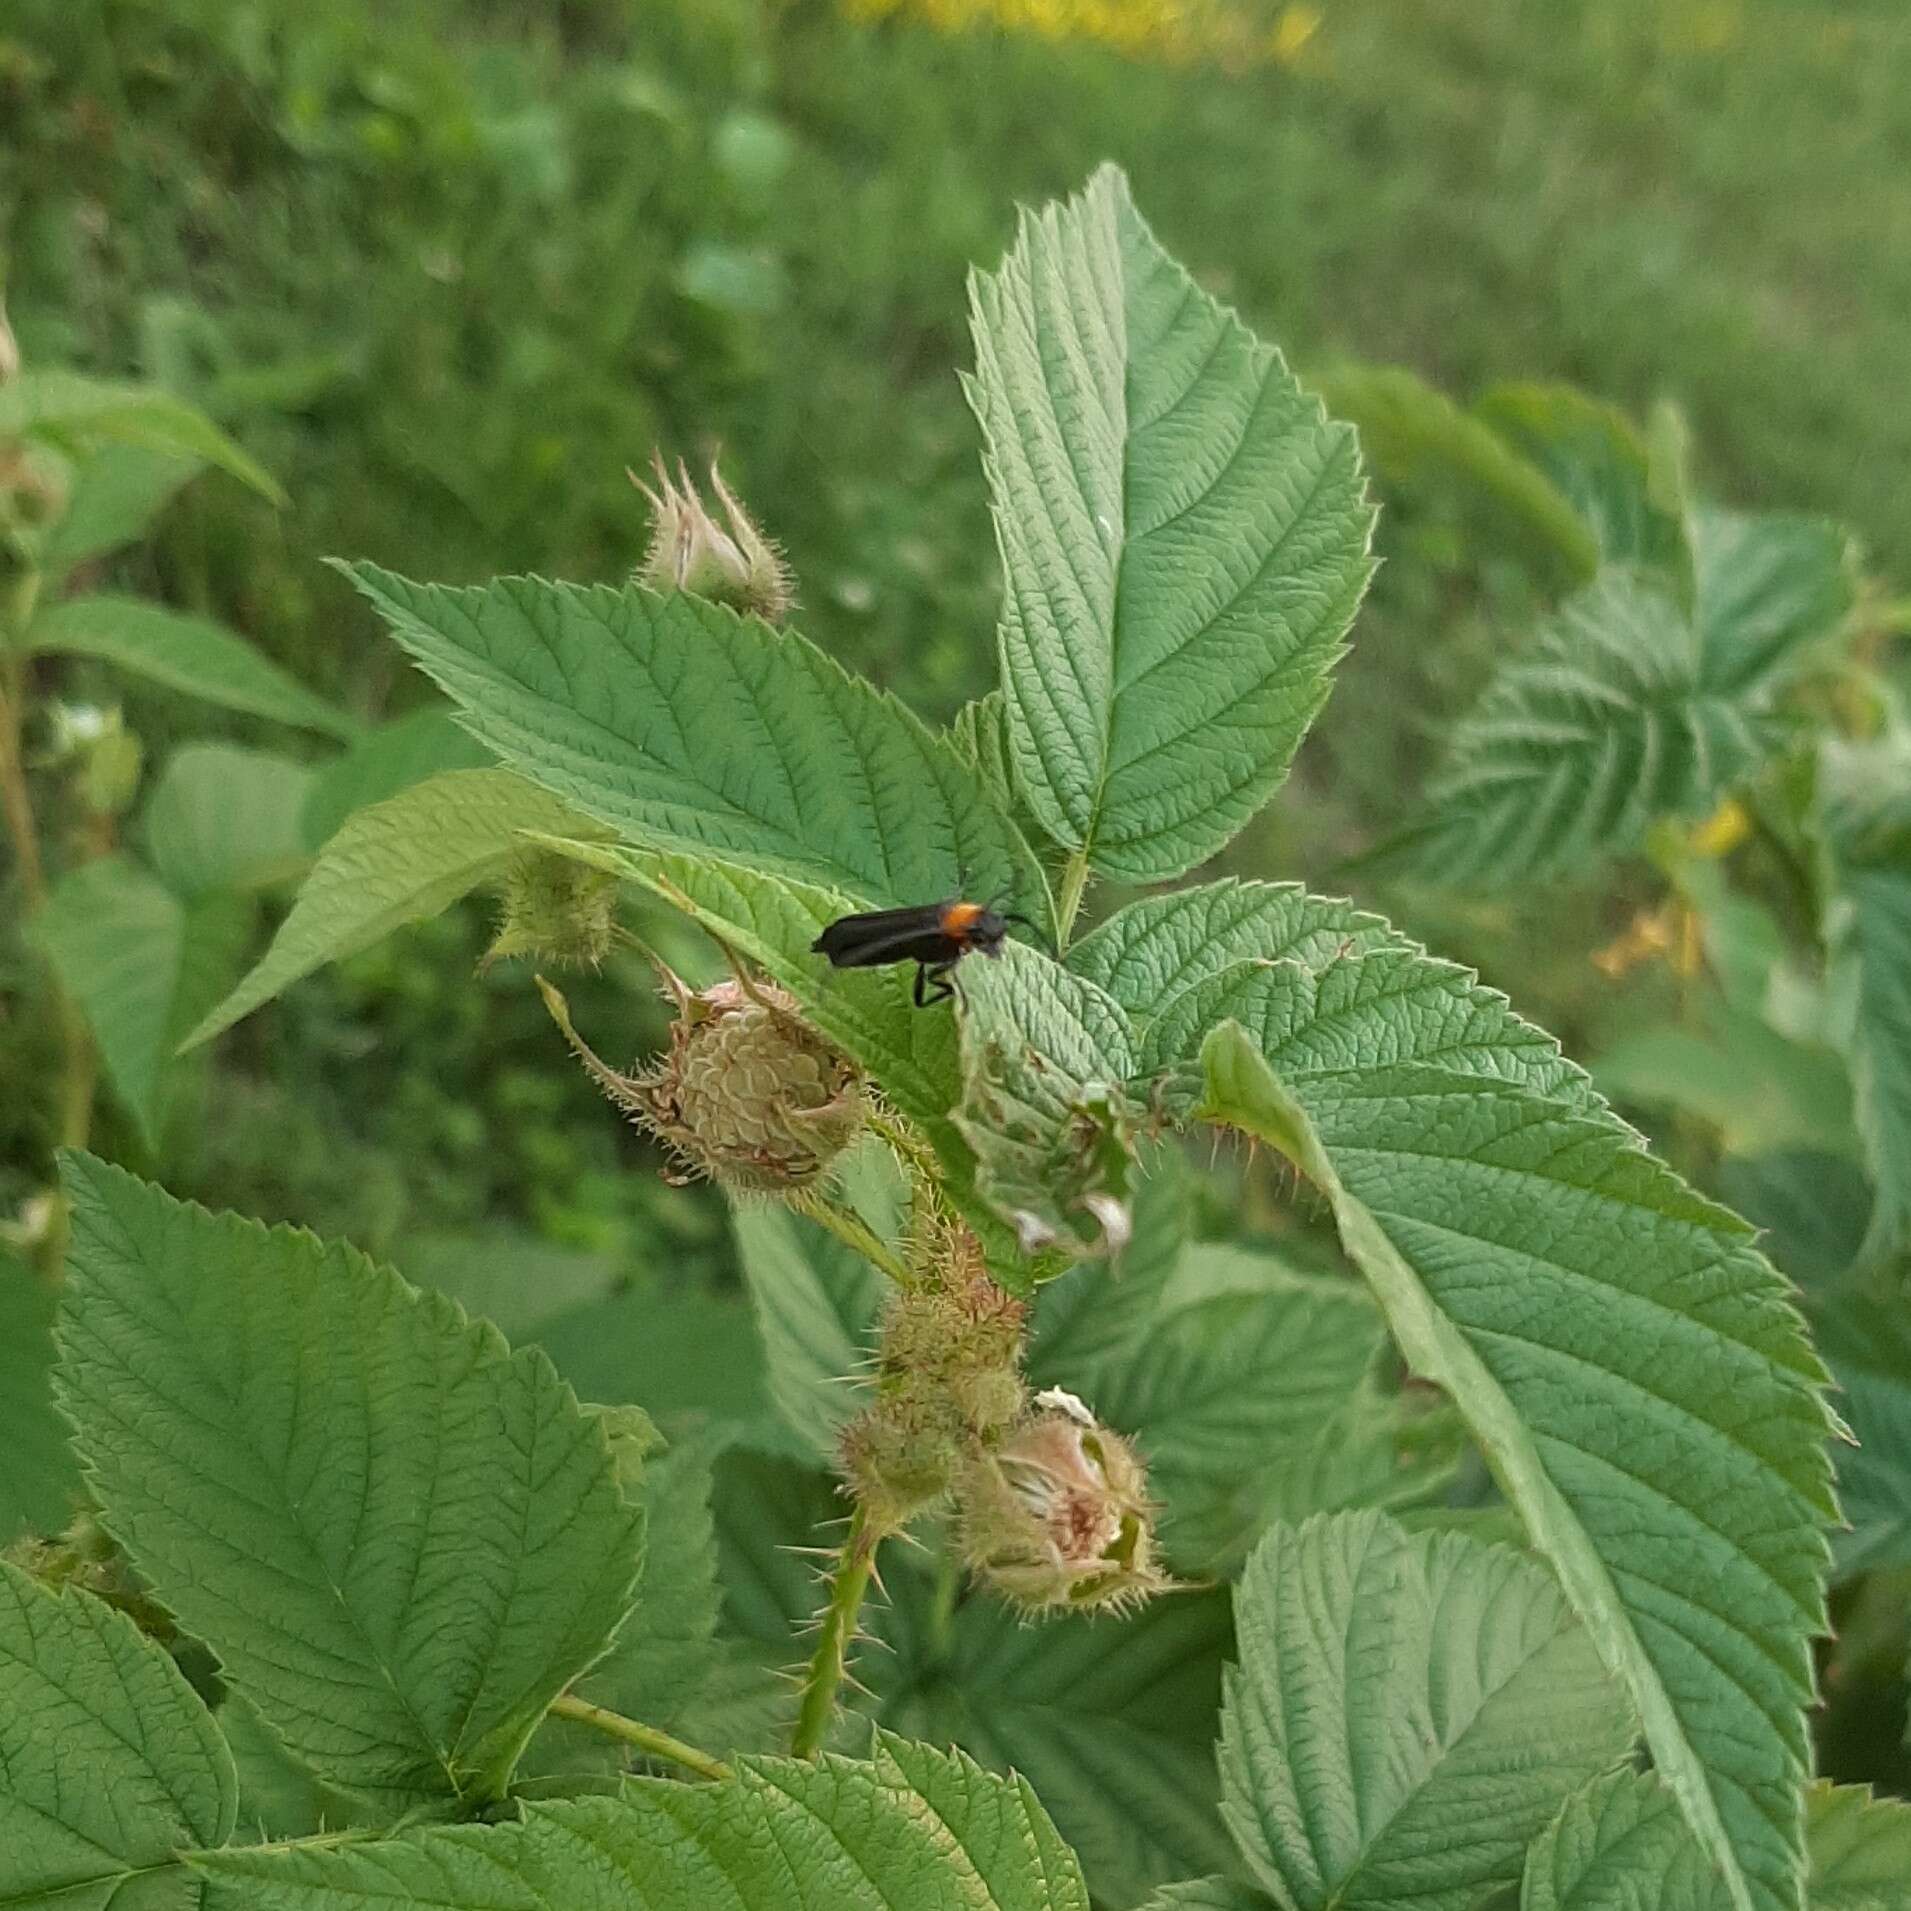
(405, 1546)
(572, 236)
(1714, 700)
(141, 946)
(138, 893)
(627, 225)
(403, 1540)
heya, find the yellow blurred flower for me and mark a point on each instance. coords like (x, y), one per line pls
(1230, 32)
(1721, 832)
(1292, 32)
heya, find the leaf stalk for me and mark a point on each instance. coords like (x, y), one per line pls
(647, 1738)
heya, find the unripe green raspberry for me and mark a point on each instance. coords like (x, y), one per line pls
(731, 563)
(747, 1093)
(1056, 1516)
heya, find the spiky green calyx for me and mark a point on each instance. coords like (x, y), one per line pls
(732, 563)
(555, 909)
(1056, 1516)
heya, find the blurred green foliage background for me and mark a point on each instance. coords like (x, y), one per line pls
(448, 268)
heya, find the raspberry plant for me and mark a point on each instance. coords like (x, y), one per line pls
(421, 1609)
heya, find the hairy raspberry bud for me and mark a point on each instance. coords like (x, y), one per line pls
(1056, 1515)
(956, 1331)
(948, 1376)
(747, 1093)
(732, 563)
(555, 909)
(899, 1455)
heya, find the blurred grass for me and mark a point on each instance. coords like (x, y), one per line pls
(449, 268)
(452, 267)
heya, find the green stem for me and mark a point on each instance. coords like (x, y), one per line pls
(15, 800)
(79, 1065)
(942, 1608)
(1800, 883)
(916, 1156)
(853, 1232)
(647, 1738)
(1074, 881)
(830, 1661)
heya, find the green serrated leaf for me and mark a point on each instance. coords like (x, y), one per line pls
(1184, 538)
(1632, 1368)
(667, 1664)
(1621, 1845)
(1407, 426)
(1860, 1849)
(1865, 818)
(1866, 1341)
(685, 727)
(914, 1830)
(222, 817)
(1765, 585)
(1157, 949)
(406, 858)
(815, 1303)
(1623, 712)
(401, 1539)
(144, 965)
(185, 653)
(1206, 1894)
(110, 1764)
(384, 761)
(1046, 1056)
(116, 493)
(40, 1480)
(1393, 1687)
(1113, 1724)
(1179, 964)
(1594, 454)
(69, 409)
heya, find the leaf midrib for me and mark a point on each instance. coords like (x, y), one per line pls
(1342, 1894)
(213, 1384)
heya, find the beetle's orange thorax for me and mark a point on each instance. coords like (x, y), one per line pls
(958, 918)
